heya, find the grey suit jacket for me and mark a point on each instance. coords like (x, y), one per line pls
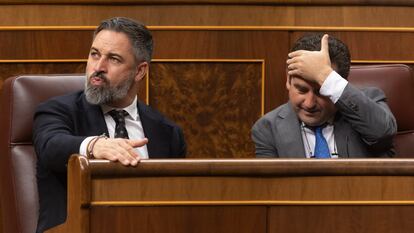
(363, 127)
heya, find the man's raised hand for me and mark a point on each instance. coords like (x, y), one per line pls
(314, 66)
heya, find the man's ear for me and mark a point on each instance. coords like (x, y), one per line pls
(288, 78)
(142, 70)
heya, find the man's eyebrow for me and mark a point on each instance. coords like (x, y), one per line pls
(111, 54)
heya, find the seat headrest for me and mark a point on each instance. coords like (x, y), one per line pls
(28, 92)
(396, 80)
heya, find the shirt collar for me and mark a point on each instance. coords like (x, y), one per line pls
(132, 109)
(330, 122)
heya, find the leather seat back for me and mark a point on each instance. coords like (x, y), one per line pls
(18, 186)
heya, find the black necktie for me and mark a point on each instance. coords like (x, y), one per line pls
(119, 118)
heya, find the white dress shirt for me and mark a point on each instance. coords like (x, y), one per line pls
(333, 87)
(132, 123)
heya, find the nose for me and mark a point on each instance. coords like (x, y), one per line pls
(309, 101)
(100, 65)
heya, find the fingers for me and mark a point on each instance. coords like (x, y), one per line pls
(325, 44)
(296, 53)
(294, 72)
(291, 61)
(137, 142)
(295, 66)
(127, 154)
(118, 149)
(294, 62)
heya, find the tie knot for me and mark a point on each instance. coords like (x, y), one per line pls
(118, 115)
(318, 129)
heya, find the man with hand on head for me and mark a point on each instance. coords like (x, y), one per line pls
(325, 117)
(104, 121)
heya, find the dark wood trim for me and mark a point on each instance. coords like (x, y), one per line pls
(220, 28)
(215, 2)
(259, 167)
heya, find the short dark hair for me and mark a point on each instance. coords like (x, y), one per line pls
(138, 34)
(338, 51)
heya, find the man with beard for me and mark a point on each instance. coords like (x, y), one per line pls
(326, 117)
(105, 121)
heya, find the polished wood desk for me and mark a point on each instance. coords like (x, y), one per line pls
(248, 195)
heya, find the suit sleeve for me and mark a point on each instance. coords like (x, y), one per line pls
(179, 146)
(368, 113)
(263, 139)
(54, 135)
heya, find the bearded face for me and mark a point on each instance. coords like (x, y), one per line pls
(106, 93)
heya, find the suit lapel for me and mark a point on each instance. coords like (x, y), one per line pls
(290, 134)
(341, 140)
(158, 144)
(94, 119)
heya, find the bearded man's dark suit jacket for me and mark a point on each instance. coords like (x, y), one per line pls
(60, 126)
(364, 126)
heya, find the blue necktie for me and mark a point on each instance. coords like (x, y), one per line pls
(321, 146)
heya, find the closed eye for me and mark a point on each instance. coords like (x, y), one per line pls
(301, 89)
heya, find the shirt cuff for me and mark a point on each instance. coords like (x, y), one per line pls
(84, 144)
(333, 86)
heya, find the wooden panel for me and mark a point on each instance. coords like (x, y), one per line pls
(1, 220)
(150, 14)
(179, 219)
(364, 195)
(353, 16)
(179, 13)
(270, 46)
(216, 103)
(301, 188)
(341, 219)
(45, 44)
(259, 167)
(269, 2)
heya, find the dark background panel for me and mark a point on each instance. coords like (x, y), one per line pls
(215, 103)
